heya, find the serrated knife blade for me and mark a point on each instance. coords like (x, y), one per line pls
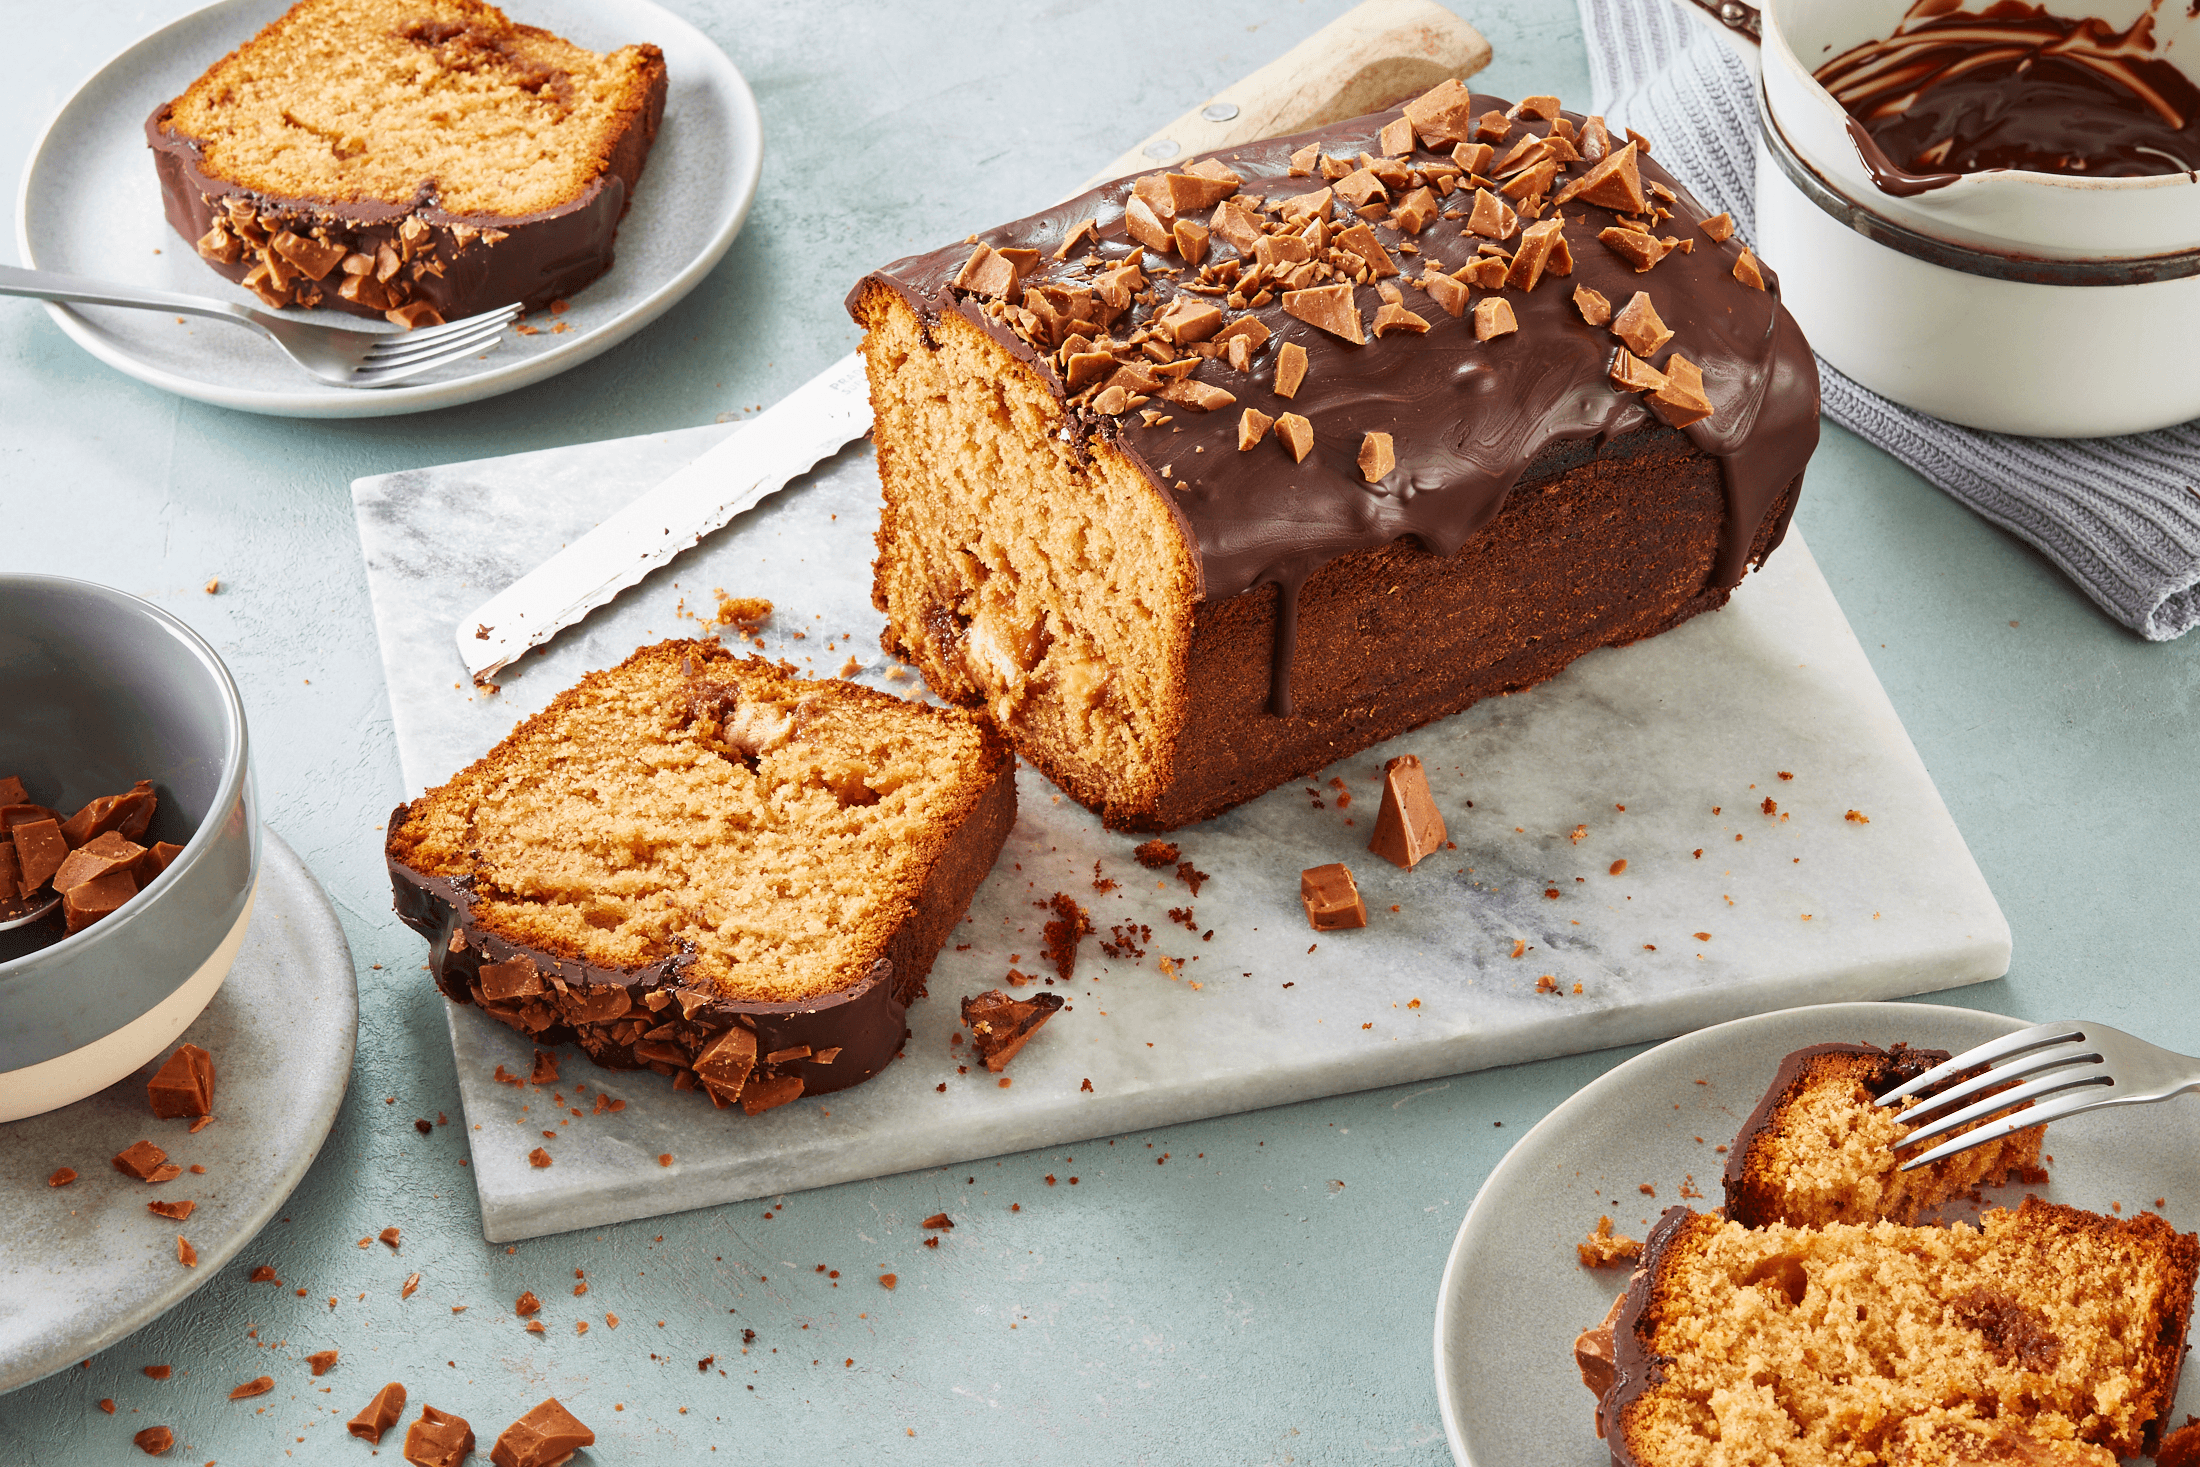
(770, 450)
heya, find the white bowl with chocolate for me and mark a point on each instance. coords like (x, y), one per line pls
(1992, 219)
(129, 813)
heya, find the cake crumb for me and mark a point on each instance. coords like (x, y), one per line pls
(1157, 855)
(1605, 1249)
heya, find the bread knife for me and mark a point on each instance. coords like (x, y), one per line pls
(1367, 58)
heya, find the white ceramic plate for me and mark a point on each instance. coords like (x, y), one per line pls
(90, 205)
(1514, 1295)
(83, 1265)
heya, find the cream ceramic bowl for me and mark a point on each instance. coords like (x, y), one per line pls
(2016, 302)
(99, 689)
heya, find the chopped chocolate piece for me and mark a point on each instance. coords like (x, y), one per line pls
(1157, 855)
(1332, 898)
(544, 1437)
(173, 1211)
(1638, 325)
(1376, 457)
(1615, 184)
(1360, 240)
(62, 1177)
(1290, 372)
(1069, 924)
(184, 1086)
(1409, 826)
(1188, 320)
(1747, 272)
(1491, 218)
(23, 814)
(763, 1095)
(1415, 211)
(788, 1055)
(1594, 308)
(1473, 157)
(129, 813)
(1191, 240)
(1681, 401)
(1631, 374)
(1487, 272)
(186, 1255)
(539, 1158)
(1329, 308)
(1082, 232)
(514, 978)
(154, 1440)
(88, 901)
(939, 1222)
(1491, 127)
(1532, 184)
(12, 791)
(987, 273)
(1296, 435)
(1305, 160)
(1198, 396)
(1596, 140)
(1248, 327)
(1635, 247)
(725, 1064)
(1719, 226)
(258, 1386)
(139, 1160)
(322, 1361)
(11, 873)
(1000, 1026)
(1493, 317)
(1443, 114)
(1396, 138)
(1446, 292)
(1537, 243)
(527, 1304)
(379, 1414)
(1541, 109)
(438, 1439)
(1299, 208)
(95, 858)
(40, 848)
(1393, 317)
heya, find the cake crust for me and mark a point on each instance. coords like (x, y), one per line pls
(446, 257)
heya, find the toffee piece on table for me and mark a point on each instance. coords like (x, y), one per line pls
(1409, 826)
(543, 1437)
(1332, 898)
(379, 1414)
(184, 1086)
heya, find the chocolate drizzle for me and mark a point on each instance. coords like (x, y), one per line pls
(2012, 86)
(1468, 418)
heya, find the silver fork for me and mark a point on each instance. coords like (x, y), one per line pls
(334, 354)
(2068, 1067)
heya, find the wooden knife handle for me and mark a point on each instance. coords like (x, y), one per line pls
(1369, 57)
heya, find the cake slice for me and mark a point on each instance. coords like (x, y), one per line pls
(708, 867)
(2044, 1335)
(420, 159)
(1203, 480)
(1819, 1149)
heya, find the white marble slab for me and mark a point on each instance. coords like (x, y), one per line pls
(1689, 732)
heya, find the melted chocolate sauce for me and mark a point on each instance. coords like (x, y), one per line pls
(2014, 87)
(1468, 418)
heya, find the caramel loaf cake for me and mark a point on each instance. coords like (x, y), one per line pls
(2044, 1335)
(1819, 1149)
(708, 867)
(417, 159)
(1203, 480)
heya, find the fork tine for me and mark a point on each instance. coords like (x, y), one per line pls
(2036, 1062)
(2095, 1079)
(428, 335)
(2036, 1037)
(404, 348)
(384, 376)
(2038, 1115)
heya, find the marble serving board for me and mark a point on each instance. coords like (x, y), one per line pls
(1527, 940)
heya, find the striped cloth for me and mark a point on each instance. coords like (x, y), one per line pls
(2121, 516)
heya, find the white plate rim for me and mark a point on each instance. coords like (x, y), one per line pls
(1840, 1018)
(391, 401)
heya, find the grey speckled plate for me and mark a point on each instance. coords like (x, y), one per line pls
(83, 1265)
(90, 205)
(1514, 1295)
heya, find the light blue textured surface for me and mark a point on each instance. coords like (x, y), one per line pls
(1264, 1296)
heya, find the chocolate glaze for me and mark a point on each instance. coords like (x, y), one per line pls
(469, 263)
(2014, 87)
(864, 1022)
(1635, 1366)
(1899, 1066)
(1467, 418)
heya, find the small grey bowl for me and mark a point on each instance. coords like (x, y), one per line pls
(99, 689)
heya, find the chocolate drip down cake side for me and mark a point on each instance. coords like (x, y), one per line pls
(1201, 481)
